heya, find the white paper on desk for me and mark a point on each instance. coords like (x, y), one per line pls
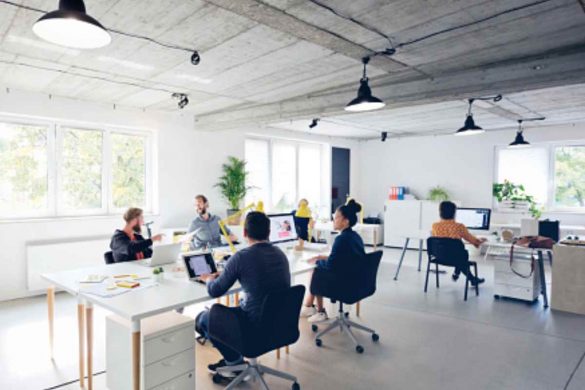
(101, 290)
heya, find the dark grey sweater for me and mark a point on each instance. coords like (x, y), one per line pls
(261, 269)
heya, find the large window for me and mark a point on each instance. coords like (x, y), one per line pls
(553, 174)
(282, 172)
(51, 171)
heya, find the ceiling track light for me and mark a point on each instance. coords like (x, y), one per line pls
(469, 127)
(314, 123)
(71, 26)
(183, 99)
(384, 136)
(519, 141)
(364, 100)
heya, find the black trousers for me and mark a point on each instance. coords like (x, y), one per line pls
(462, 266)
(324, 283)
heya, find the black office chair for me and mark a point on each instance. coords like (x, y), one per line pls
(109, 257)
(279, 327)
(361, 285)
(449, 252)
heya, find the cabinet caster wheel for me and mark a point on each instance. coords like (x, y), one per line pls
(375, 337)
(496, 297)
(314, 328)
(318, 342)
(359, 349)
(296, 386)
(217, 379)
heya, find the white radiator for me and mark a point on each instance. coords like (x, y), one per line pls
(60, 255)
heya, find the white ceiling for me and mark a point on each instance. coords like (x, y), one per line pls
(260, 53)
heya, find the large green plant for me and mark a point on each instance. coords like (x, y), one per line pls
(516, 192)
(232, 184)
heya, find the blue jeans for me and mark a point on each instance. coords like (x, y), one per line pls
(231, 356)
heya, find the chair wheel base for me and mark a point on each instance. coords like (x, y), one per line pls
(296, 386)
(318, 342)
(314, 328)
(375, 337)
(359, 349)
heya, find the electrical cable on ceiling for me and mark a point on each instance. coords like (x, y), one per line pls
(195, 56)
(393, 46)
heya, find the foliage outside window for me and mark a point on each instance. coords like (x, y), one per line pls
(570, 177)
(128, 170)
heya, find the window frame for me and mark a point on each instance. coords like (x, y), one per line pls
(297, 144)
(55, 130)
(550, 204)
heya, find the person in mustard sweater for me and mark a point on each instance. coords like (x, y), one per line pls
(448, 228)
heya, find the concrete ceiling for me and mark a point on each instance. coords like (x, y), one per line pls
(274, 61)
(559, 105)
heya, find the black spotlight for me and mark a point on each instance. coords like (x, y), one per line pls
(183, 99)
(195, 58)
(384, 136)
(314, 123)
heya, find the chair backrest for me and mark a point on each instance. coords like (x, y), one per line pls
(370, 272)
(361, 283)
(109, 257)
(445, 251)
(280, 316)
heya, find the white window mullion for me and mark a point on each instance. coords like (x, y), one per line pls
(270, 186)
(107, 173)
(53, 168)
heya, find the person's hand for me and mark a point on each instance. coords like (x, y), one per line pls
(209, 277)
(314, 260)
(157, 237)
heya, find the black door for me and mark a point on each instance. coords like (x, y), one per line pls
(340, 159)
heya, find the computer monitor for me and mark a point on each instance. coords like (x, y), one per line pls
(476, 219)
(282, 228)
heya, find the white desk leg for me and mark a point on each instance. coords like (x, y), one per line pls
(81, 336)
(401, 258)
(89, 335)
(375, 239)
(136, 355)
(420, 250)
(51, 313)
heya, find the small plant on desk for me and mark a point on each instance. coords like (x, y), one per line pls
(158, 274)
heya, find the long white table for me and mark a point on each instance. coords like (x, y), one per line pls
(170, 294)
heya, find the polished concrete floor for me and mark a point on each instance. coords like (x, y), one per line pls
(432, 341)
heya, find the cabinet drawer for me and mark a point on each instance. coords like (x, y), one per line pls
(183, 382)
(522, 266)
(166, 369)
(168, 344)
(515, 280)
(524, 293)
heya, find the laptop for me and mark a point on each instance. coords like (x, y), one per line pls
(162, 254)
(197, 264)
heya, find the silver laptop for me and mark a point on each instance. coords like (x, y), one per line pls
(162, 254)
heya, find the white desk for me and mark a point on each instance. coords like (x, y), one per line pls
(170, 294)
(371, 234)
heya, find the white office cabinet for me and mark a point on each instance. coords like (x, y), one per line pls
(167, 352)
(371, 234)
(510, 285)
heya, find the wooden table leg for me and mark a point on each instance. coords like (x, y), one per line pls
(357, 309)
(136, 355)
(81, 334)
(89, 335)
(287, 349)
(227, 300)
(237, 299)
(278, 353)
(51, 313)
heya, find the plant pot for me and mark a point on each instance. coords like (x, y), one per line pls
(158, 278)
(514, 205)
(232, 219)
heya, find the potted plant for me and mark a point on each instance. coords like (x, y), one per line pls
(514, 197)
(232, 185)
(158, 274)
(438, 194)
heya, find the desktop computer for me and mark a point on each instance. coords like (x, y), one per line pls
(474, 218)
(282, 228)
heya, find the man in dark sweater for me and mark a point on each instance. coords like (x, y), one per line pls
(127, 244)
(261, 268)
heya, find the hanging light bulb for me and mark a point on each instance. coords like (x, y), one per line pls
(364, 100)
(71, 26)
(469, 127)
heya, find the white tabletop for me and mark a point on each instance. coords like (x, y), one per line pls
(172, 293)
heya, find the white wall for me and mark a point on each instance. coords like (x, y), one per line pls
(189, 162)
(464, 166)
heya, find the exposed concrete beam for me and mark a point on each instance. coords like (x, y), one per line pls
(279, 20)
(553, 70)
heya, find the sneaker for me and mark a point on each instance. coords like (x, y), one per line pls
(212, 368)
(318, 317)
(308, 311)
(455, 277)
(477, 281)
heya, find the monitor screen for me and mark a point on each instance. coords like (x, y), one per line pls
(478, 219)
(282, 228)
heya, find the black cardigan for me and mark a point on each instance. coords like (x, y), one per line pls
(124, 249)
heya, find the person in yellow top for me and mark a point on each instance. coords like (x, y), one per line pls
(448, 228)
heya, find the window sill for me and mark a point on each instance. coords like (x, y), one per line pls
(66, 218)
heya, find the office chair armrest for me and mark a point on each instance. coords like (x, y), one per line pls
(225, 327)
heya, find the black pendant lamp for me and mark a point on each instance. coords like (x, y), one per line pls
(469, 127)
(519, 141)
(71, 26)
(364, 100)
